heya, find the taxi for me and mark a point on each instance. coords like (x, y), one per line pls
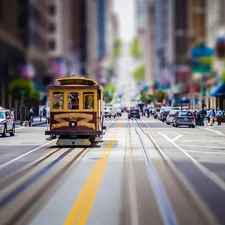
(7, 124)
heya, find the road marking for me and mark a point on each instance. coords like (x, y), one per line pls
(177, 137)
(82, 206)
(206, 146)
(213, 177)
(18, 128)
(21, 156)
(204, 152)
(218, 132)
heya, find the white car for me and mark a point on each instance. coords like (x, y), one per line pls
(163, 108)
(170, 116)
(110, 111)
(7, 124)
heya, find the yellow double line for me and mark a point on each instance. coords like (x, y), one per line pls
(82, 206)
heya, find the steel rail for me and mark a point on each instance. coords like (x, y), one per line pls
(185, 185)
(163, 202)
(38, 195)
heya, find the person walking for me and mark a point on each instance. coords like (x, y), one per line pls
(30, 116)
(212, 116)
(219, 115)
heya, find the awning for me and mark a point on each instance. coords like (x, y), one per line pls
(219, 90)
(179, 100)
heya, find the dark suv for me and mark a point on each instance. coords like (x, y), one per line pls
(134, 113)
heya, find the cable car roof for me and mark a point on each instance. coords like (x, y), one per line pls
(75, 82)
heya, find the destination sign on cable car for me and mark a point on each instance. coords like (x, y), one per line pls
(75, 81)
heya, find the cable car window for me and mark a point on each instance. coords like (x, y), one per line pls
(58, 100)
(88, 100)
(73, 100)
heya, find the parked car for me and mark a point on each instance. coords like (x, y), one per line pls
(183, 118)
(164, 115)
(7, 123)
(110, 111)
(134, 113)
(156, 112)
(170, 116)
(163, 108)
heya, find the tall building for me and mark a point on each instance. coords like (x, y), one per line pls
(57, 37)
(37, 46)
(92, 38)
(12, 49)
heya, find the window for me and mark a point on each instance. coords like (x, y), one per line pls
(58, 100)
(88, 100)
(1, 11)
(52, 27)
(51, 10)
(1, 115)
(73, 100)
(52, 44)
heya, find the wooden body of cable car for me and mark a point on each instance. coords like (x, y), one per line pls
(76, 111)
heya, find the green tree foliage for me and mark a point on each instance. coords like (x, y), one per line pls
(117, 47)
(109, 91)
(159, 96)
(139, 73)
(223, 77)
(144, 97)
(135, 50)
(20, 87)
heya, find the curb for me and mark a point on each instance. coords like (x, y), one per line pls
(39, 123)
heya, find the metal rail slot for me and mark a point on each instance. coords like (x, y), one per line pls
(163, 202)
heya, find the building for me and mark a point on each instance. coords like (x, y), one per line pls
(58, 37)
(12, 48)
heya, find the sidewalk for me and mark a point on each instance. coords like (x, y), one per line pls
(35, 123)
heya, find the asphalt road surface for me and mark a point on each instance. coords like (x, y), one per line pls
(139, 172)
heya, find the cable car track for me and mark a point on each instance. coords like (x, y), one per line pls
(167, 210)
(20, 181)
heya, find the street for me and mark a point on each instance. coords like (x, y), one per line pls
(140, 172)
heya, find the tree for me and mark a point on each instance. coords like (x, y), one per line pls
(109, 91)
(143, 97)
(135, 50)
(139, 73)
(20, 87)
(117, 47)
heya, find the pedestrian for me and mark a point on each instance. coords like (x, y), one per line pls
(212, 116)
(219, 115)
(13, 113)
(44, 112)
(30, 116)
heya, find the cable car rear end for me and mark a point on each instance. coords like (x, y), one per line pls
(76, 111)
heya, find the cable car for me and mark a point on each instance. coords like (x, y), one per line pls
(76, 111)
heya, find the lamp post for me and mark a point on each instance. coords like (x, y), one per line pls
(22, 107)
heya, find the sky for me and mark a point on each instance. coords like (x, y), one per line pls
(125, 12)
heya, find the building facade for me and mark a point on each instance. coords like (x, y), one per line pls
(12, 47)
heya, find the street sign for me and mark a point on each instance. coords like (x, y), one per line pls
(201, 59)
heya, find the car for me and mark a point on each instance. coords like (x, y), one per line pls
(134, 113)
(7, 123)
(170, 116)
(156, 113)
(110, 111)
(119, 112)
(183, 117)
(164, 115)
(163, 108)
